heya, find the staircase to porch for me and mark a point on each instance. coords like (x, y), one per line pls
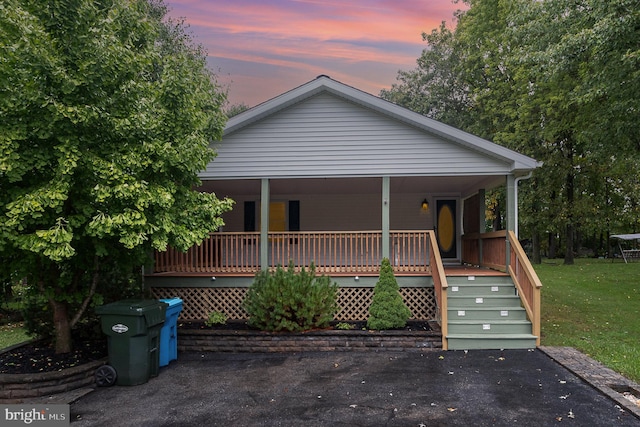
(485, 312)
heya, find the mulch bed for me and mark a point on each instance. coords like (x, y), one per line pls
(39, 356)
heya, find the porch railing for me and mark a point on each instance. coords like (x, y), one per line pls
(237, 253)
(527, 282)
(333, 252)
(485, 249)
(440, 287)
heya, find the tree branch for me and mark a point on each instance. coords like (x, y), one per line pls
(92, 291)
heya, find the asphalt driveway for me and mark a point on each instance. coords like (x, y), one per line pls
(455, 388)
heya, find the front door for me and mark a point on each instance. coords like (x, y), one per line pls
(446, 230)
(277, 216)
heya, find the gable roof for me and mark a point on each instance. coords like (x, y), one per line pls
(519, 163)
(325, 129)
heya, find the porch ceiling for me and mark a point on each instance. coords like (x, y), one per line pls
(441, 185)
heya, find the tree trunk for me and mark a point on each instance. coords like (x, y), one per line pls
(62, 327)
(497, 224)
(7, 291)
(568, 254)
(536, 258)
(570, 228)
(552, 246)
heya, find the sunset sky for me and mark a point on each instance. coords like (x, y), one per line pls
(260, 49)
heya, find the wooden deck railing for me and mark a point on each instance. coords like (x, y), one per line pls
(349, 252)
(221, 253)
(357, 252)
(410, 252)
(440, 286)
(485, 249)
(527, 282)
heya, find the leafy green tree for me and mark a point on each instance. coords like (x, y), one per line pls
(435, 88)
(235, 109)
(577, 58)
(553, 79)
(106, 116)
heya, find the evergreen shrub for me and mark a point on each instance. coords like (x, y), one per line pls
(288, 301)
(387, 310)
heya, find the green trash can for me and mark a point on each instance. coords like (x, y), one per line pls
(133, 331)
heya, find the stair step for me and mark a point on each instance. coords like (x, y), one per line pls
(490, 341)
(477, 289)
(487, 313)
(479, 280)
(467, 301)
(489, 327)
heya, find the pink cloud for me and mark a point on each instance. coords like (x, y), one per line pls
(362, 43)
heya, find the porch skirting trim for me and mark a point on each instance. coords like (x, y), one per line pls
(354, 302)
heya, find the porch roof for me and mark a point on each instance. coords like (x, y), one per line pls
(317, 125)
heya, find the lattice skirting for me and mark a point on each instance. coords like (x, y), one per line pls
(353, 302)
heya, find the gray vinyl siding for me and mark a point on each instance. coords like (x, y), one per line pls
(326, 135)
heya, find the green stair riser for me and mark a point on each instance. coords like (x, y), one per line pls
(477, 290)
(478, 327)
(487, 313)
(462, 302)
(490, 343)
(480, 280)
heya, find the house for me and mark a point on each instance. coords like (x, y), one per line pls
(326, 173)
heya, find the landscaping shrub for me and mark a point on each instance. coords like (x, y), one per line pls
(387, 310)
(216, 318)
(290, 301)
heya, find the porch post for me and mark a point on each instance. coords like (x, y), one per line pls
(482, 220)
(512, 206)
(264, 224)
(386, 185)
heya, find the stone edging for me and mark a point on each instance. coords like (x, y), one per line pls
(241, 341)
(18, 388)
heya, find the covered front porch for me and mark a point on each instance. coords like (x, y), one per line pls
(215, 276)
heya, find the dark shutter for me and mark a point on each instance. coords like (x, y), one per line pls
(249, 216)
(294, 215)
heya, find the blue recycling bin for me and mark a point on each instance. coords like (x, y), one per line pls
(169, 331)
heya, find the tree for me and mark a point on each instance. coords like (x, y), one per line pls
(387, 310)
(435, 87)
(578, 56)
(235, 109)
(555, 80)
(106, 115)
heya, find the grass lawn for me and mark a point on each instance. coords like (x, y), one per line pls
(12, 333)
(11, 330)
(594, 306)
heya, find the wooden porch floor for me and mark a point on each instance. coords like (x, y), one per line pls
(464, 270)
(450, 270)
